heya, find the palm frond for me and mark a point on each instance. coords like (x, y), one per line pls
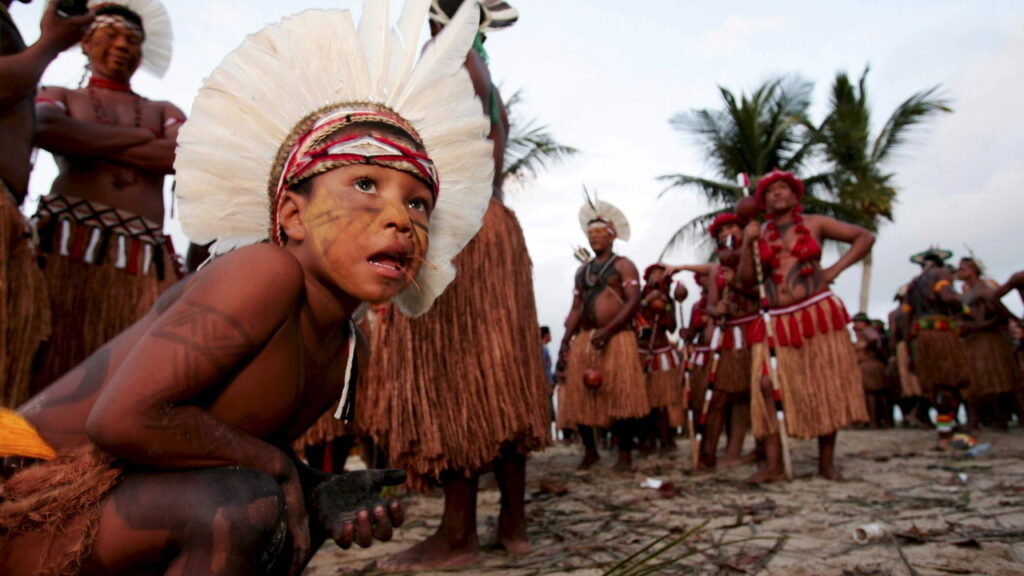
(910, 113)
(530, 148)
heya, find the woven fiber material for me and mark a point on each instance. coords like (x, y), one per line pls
(95, 301)
(939, 361)
(910, 386)
(24, 304)
(449, 390)
(623, 391)
(59, 501)
(992, 365)
(821, 383)
(734, 372)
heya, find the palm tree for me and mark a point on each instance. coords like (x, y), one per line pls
(530, 148)
(750, 135)
(860, 183)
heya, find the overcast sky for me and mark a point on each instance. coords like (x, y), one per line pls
(606, 76)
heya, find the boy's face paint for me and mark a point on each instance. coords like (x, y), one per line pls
(367, 229)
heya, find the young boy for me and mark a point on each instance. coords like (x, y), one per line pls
(172, 439)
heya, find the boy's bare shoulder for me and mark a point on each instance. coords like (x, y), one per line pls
(254, 271)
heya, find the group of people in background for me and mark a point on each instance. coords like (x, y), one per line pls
(768, 343)
(153, 407)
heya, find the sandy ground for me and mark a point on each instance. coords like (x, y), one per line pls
(941, 514)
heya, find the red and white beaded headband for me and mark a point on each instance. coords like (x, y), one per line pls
(111, 20)
(322, 148)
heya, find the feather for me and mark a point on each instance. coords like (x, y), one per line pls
(443, 57)
(373, 35)
(407, 38)
(252, 102)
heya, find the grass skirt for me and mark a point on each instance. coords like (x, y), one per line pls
(910, 386)
(734, 372)
(939, 361)
(102, 277)
(57, 501)
(24, 304)
(992, 364)
(820, 379)
(450, 389)
(623, 392)
(872, 374)
(664, 377)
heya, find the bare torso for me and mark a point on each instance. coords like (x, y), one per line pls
(100, 179)
(17, 124)
(600, 287)
(790, 277)
(276, 395)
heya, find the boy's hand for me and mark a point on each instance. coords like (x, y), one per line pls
(350, 508)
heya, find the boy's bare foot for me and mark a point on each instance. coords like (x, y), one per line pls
(767, 476)
(433, 553)
(588, 461)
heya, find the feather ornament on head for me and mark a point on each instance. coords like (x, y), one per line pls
(268, 117)
(494, 14)
(594, 210)
(157, 33)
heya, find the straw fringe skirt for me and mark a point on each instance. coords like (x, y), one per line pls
(664, 387)
(104, 269)
(59, 501)
(623, 391)
(24, 304)
(992, 364)
(820, 381)
(451, 389)
(939, 361)
(910, 386)
(663, 376)
(734, 372)
(872, 374)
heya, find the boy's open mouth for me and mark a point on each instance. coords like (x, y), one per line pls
(395, 260)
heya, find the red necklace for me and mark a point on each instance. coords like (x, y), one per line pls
(108, 84)
(805, 249)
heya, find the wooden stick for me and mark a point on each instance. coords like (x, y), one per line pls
(709, 392)
(773, 363)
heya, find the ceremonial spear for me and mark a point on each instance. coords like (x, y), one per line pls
(747, 209)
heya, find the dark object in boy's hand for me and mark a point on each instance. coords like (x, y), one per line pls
(350, 508)
(72, 7)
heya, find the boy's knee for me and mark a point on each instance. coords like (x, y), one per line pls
(252, 505)
(766, 386)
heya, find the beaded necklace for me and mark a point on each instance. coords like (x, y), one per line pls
(122, 178)
(805, 249)
(600, 273)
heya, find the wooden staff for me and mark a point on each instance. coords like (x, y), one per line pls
(773, 362)
(688, 394)
(687, 390)
(709, 392)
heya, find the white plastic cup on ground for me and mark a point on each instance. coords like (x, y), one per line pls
(869, 533)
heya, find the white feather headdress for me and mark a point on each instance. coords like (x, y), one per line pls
(156, 49)
(318, 62)
(599, 210)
